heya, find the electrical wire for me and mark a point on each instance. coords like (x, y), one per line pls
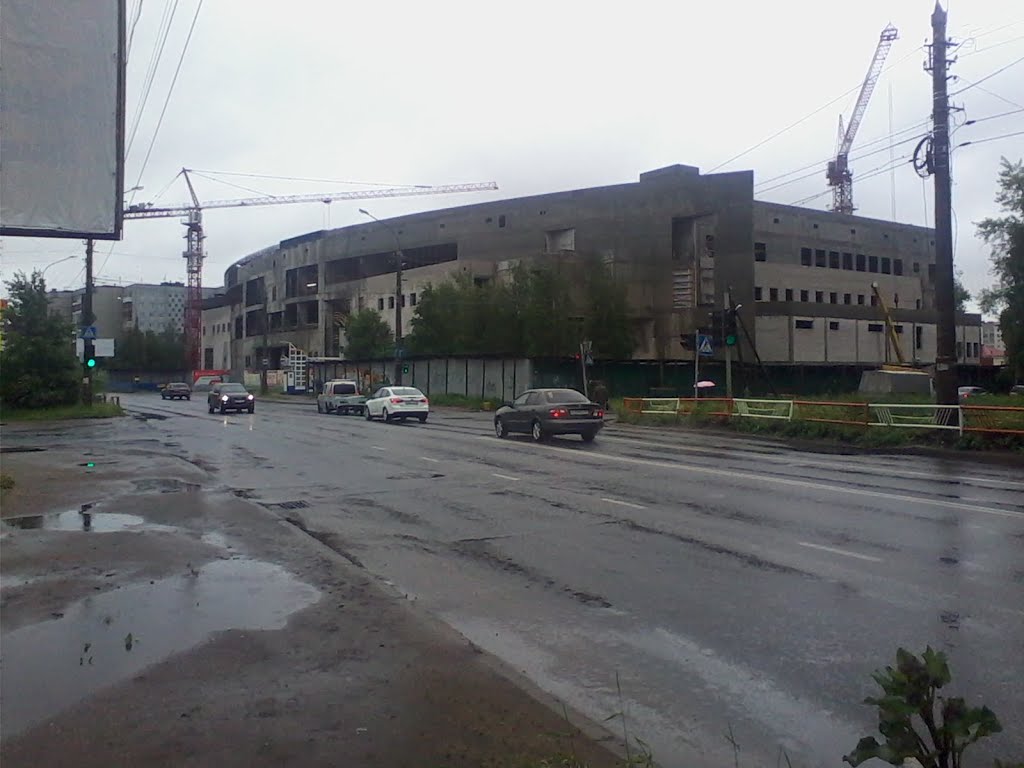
(990, 138)
(154, 63)
(812, 114)
(134, 23)
(987, 77)
(878, 171)
(860, 147)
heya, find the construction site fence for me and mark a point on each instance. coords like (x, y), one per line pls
(984, 419)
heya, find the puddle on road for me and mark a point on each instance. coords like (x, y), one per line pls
(84, 520)
(110, 637)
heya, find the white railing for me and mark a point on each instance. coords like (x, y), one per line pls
(660, 405)
(763, 409)
(915, 416)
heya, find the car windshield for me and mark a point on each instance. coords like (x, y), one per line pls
(564, 396)
(232, 388)
(406, 392)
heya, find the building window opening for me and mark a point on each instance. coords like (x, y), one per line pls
(773, 294)
(760, 252)
(804, 296)
(805, 257)
(819, 258)
(789, 294)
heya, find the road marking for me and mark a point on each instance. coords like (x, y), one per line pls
(504, 477)
(427, 458)
(836, 551)
(865, 467)
(735, 474)
(624, 503)
(378, 448)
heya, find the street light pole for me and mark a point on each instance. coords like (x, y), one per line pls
(398, 296)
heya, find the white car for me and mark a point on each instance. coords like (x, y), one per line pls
(402, 403)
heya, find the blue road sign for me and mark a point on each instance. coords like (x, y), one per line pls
(704, 344)
(88, 333)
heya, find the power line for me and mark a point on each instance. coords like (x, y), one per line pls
(988, 76)
(990, 138)
(994, 117)
(862, 146)
(809, 116)
(134, 23)
(154, 62)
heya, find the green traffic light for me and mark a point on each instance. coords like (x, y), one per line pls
(730, 341)
(91, 363)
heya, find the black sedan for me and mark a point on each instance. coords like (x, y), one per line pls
(230, 397)
(543, 412)
(176, 390)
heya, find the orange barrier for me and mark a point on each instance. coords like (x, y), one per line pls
(993, 419)
(826, 412)
(632, 404)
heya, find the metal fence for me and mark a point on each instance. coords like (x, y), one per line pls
(984, 419)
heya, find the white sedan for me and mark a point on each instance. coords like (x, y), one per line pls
(402, 403)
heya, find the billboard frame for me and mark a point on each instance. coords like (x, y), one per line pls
(122, 68)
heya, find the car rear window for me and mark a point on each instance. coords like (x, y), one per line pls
(564, 396)
(406, 392)
(344, 389)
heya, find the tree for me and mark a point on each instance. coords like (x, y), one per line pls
(607, 322)
(1005, 236)
(368, 336)
(149, 351)
(38, 367)
(960, 293)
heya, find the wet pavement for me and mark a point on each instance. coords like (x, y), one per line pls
(108, 638)
(722, 583)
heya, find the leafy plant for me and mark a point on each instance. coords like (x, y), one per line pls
(918, 723)
(368, 336)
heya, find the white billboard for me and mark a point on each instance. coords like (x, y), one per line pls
(62, 118)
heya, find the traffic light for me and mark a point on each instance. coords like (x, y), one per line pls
(716, 325)
(405, 368)
(89, 354)
(729, 328)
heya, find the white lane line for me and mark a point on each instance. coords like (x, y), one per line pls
(504, 477)
(735, 474)
(836, 551)
(378, 448)
(427, 458)
(896, 473)
(629, 504)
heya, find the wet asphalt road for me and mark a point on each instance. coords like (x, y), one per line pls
(726, 583)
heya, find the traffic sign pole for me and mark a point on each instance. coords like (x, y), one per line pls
(696, 362)
(728, 349)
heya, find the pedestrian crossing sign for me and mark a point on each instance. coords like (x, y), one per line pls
(704, 344)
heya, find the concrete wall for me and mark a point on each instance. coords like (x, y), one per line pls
(854, 340)
(497, 379)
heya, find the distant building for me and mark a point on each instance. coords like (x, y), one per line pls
(992, 335)
(676, 239)
(118, 309)
(216, 333)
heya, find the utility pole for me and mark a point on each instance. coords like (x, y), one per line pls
(727, 308)
(265, 355)
(398, 310)
(87, 320)
(945, 303)
(398, 297)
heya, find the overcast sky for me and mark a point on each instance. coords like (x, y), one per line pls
(538, 97)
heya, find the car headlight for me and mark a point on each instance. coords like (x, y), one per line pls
(224, 398)
(250, 397)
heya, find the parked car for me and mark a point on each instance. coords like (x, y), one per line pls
(543, 412)
(965, 392)
(340, 396)
(176, 390)
(230, 397)
(1017, 390)
(401, 403)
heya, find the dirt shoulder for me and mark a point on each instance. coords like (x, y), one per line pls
(173, 623)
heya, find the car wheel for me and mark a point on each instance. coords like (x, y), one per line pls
(588, 437)
(500, 429)
(367, 414)
(385, 415)
(423, 419)
(189, 398)
(537, 431)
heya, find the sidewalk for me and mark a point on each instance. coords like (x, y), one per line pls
(173, 623)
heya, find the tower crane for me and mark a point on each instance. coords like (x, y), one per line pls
(192, 218)
(838, 174)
